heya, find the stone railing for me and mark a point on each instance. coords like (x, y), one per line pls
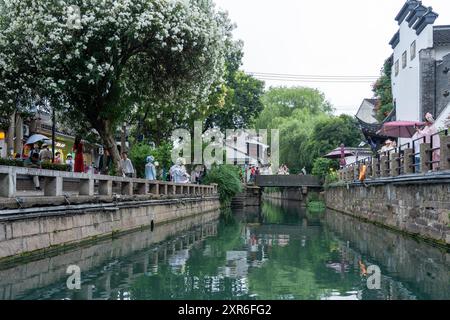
(417, 157)
(54, 181)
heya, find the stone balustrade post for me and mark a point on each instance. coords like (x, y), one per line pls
(87, 187)
(408, 161)
(105, 187)
(425, 157)
(154, 188)
(127, 188)
(384, 166)
(445, 153)
(142, 188)
(375, 164)
(53, 186)
(8, 184)
(395, 164)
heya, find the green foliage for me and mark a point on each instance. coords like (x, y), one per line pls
(242, 103)
(140, 151)
(11, 162)
(168, 53)
(330, 133)
(322, 167)
(308, 130)
(55, 166)
(382, 89)
(331, 177)
(227, 179)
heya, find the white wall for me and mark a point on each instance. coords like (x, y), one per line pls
(406, 86)
(440, 122)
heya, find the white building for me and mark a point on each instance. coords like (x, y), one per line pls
(246, 147)
(421, 58)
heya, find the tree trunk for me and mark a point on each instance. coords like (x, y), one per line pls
(10, 135)
(109, 141)
(123, 140)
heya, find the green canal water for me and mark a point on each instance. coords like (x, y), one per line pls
(280, 251)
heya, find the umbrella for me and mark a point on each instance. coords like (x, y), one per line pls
(338, 153)
(36, 138)
(400, 129)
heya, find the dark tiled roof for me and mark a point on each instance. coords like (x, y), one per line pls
(441, 35)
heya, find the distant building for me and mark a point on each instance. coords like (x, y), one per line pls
(366, 111)
(421, 62)
(246, 148)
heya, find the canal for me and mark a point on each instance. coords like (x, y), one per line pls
(281, 251)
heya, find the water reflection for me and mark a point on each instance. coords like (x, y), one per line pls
(279, 252)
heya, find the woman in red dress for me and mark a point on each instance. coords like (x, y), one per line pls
(79, 161)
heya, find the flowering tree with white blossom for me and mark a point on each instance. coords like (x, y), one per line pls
(95, 60)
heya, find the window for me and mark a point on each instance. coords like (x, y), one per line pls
(396, 67)
(413, 50)
(404, 60)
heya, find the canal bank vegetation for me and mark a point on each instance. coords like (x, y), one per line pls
(308, 128)
(228, 182)
(315, 203)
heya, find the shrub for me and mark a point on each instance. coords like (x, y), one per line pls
(11, 162)
(322, 167)
(227, 179)
(55, 166)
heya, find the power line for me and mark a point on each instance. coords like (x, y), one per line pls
(298, 76)
(313, 80)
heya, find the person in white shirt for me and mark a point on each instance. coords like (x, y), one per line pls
(127, 166)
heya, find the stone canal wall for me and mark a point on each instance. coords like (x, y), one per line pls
(291, 194)
(417, 208)
(37, 230)
(404, 256)
(49, 272)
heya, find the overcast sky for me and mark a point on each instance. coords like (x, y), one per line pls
(321, 37)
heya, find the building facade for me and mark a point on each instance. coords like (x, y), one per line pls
(421, 59)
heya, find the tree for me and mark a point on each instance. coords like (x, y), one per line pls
(322, 166)
(294, 112)
(96, 66)
(382, 89)
(234, 103)
(330, 133)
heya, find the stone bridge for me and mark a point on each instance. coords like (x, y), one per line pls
(288, 181)
(293, 187)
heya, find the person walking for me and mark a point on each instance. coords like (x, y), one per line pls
(45, 156)
(127, 166)
(33, 162)
(150, 169)
(79, 158)
(105, 163)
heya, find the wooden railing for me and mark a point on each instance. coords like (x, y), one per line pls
(415, 157)
(54, 181)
